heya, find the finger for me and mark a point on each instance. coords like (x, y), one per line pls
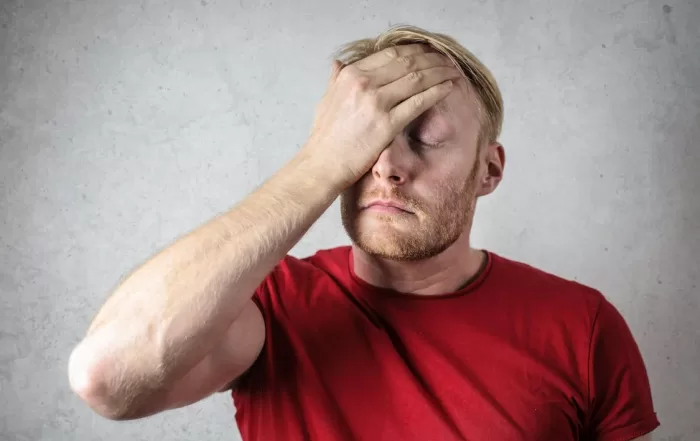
(404, 65)
(387, 55)
(414, 106)
(415, 83)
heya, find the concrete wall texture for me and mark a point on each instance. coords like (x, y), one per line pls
(124, 124)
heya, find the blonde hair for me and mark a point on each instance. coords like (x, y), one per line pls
(475, 72)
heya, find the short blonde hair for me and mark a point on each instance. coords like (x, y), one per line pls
(475, 72)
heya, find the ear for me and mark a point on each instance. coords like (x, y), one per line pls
(493, 163)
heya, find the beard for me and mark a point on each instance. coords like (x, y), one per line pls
(429, 231)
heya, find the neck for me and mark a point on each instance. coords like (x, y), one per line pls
(445, 272)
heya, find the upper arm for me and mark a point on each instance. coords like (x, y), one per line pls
(238, 350)
(620, 402)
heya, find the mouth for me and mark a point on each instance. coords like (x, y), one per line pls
(387, 207)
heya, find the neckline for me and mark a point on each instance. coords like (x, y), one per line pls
(474, 283)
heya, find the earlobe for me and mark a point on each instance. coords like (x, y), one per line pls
(488, 185)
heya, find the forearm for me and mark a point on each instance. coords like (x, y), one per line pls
(171, 311)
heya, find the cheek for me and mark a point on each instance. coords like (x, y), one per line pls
(356, 190)
(361, 187)
(443, 189)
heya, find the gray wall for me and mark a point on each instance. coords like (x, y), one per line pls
(124, 124)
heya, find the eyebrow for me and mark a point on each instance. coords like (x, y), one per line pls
(447, 129)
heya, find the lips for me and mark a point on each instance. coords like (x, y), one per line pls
(387, 206)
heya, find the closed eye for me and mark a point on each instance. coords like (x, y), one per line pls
(423, 143)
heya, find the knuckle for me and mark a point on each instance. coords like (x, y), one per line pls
(415, 77)
(362, 82)
(346, 74)
(391, 53)
(355, 79)
(418, 101)
(406, 62)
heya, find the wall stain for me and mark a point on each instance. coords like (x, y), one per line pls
(618, 13)
(670, 28)
(650, 41)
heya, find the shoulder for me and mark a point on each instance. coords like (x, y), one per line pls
(541, 294)
(297, 280)
(530, 278)
(332, 262)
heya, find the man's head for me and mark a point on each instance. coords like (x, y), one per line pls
(436, 168)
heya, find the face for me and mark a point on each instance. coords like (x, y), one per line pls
(420, 195)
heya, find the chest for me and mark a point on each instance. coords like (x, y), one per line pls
(445, 373)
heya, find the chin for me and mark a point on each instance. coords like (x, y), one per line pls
(394, 239)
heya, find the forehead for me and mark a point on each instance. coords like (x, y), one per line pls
(461, 107)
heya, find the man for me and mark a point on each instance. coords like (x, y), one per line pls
(409, 334)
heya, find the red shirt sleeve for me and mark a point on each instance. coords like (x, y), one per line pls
(620, 404)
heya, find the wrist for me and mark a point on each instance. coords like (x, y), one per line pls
(324, 170)
(310, 179)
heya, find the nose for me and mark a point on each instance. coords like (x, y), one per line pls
(392, 166)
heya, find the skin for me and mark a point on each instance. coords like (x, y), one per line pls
(436, 169)
(182, 325)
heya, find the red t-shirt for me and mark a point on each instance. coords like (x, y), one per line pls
(518, 354)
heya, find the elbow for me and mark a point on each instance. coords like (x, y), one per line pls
(91, 380)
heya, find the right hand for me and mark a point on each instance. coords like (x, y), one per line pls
(371, 101)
